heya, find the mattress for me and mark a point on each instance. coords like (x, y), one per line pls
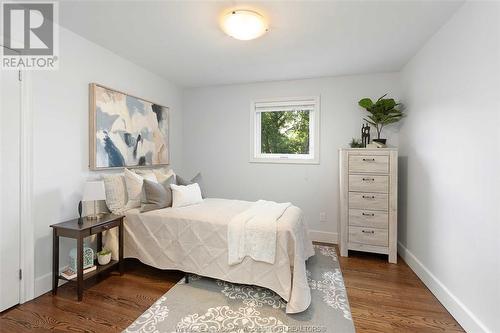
(193, 239)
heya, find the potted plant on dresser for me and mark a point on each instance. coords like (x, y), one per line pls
(383, 112)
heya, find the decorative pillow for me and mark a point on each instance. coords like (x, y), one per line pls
(116, 192)
(156, 195)
(163, 174)
(142, 171)
(196, 179)
(133, 182)
(186, 195)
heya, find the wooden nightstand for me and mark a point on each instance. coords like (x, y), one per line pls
(72, 229)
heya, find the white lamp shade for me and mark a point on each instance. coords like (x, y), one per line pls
(94, 190)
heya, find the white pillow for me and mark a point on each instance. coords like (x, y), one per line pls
(133, 183)
(116, 192)
(185, 195)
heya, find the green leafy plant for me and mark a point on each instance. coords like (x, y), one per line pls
(383, 112)
(356, 143)
(103, 252)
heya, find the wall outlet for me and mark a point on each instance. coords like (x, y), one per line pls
(322, 217)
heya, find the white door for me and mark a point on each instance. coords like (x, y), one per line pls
(9, 188)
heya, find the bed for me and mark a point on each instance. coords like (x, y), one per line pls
(193, 239)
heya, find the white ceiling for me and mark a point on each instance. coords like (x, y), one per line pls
(182, 41)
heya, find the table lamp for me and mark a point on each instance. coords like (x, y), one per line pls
(93, 191)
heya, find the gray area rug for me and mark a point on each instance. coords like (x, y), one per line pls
(209, 305)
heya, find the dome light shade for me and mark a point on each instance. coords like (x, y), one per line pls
(244, 24)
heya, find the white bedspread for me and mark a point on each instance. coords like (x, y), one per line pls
(253, 232)
(194, 239)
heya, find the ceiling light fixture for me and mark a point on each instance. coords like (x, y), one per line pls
(244, 24)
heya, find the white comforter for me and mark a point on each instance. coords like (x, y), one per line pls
(194, 239)
(253, 232)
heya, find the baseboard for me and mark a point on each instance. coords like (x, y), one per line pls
(323, 236)
(43, 284)
(458, 310)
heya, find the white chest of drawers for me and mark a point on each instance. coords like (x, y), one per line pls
(368, 201)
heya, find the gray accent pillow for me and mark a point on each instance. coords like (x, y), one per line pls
(156, 195)
(196, 179)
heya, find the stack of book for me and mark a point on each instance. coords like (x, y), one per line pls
(69, 274)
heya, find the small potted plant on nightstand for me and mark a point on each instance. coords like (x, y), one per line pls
(383, 112)
(104, 257)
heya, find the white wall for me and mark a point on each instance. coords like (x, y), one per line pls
(216, 140)
(450, 147)
(60, 132)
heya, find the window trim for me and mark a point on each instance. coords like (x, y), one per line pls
(314, 133)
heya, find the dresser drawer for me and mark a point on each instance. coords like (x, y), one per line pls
(370, 201)
(104, 227)
(368, 183)
(368, 218)
(370, 236)
(369, 163)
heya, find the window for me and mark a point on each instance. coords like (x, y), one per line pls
(285, 130)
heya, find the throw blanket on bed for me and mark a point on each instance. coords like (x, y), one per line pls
(253, 232)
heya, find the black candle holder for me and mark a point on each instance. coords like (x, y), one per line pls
(80, 210)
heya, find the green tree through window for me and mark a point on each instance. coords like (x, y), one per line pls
(285, 132)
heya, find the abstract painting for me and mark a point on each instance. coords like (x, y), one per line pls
(126, 131)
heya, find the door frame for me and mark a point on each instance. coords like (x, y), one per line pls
(26, 225)
(27, 228)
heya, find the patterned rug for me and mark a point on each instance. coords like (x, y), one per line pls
(208, 305)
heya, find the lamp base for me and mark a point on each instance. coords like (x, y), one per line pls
(96, 215)
(93, 217)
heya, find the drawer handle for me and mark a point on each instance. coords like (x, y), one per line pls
(369, 159)
(368, 197)
(368, 231)
(368, 214)
(368, 179)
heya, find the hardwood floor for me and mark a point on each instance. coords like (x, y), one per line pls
(383, 298)
(109, 305)
(391, 298)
